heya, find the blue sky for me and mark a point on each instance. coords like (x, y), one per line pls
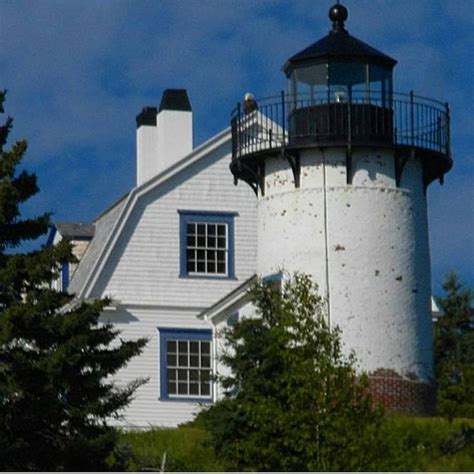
(78, 72)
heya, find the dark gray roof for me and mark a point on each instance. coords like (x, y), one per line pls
(147, 117)
(338, 45)
(104, 225)
(175, 99)
(76, 230)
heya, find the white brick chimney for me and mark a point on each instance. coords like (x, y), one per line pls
(164, 135)
(147, 145)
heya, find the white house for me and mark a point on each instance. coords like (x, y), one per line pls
(336, 188)
(181, 240)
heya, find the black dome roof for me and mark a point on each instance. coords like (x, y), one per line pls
(338, 46)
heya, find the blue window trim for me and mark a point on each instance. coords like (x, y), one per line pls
(183, 334)
(209, 217)
(64, 276)
(52, 234)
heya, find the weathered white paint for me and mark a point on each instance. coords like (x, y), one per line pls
(366, 245)
(147, 153)
(174, 137)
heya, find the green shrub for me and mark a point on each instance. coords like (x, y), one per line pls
(295, 401)
(454, 349)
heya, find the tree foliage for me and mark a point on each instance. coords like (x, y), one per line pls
(294, 400)
(454, 349)
(56, 390)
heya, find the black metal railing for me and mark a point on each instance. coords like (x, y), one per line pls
(358, 119)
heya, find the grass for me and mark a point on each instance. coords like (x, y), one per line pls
(435, 444)
(185, 448)
(431, 444)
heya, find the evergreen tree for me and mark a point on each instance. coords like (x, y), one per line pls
(454, 349)
(56, 365)
(294, 400)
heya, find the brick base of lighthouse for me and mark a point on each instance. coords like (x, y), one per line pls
(400, 394)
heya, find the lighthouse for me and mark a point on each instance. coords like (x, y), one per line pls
(340, 164)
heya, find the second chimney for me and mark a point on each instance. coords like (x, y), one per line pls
(164, 136)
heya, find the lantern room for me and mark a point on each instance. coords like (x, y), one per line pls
(340, 67)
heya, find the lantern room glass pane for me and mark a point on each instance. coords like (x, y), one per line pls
(311, 75)
(380, 80)
(307, 85)
(347, 79)
(337, 81)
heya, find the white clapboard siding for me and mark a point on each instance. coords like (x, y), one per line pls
(144, 265)
(147, 409)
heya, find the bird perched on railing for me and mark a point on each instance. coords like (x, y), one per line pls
(250, 104)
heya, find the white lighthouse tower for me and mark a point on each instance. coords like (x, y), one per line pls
(340, 165)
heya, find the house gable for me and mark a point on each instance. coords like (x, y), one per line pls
(135, 255)
(144, 265)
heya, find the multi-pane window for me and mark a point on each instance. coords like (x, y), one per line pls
(207, 244)
(188, 366)
(185, 364)
(206, 248)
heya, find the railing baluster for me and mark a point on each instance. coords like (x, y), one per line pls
(395, 122)
(448, 130)
(426, 122)
(283, 117)
(405, 126)
(432, 130)
(239, 129)
(427, 126)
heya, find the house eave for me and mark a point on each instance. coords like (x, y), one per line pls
(229, 303)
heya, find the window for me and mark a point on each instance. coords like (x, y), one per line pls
(207, 244)
(206, 248)
(64, 276)
(185, 364)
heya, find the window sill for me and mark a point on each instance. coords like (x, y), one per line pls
(208, 277)
(189, 400)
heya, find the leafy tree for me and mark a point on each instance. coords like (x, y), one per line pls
(56, 390)
(454, 349)
(294, 400)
